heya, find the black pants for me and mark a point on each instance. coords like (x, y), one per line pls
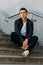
(16, 40)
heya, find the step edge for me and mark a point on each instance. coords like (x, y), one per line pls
(10, 56)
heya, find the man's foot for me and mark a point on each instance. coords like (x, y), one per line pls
(25, 53)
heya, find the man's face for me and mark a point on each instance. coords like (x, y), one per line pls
(23, 14)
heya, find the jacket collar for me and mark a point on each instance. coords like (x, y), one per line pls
(22, 20)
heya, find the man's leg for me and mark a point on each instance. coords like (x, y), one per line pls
(32, 43)
(15, 38)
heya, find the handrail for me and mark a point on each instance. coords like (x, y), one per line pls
(36, 13)
(31, 12)
(13, 15)
(4, 13)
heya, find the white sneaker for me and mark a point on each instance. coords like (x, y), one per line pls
(25, 53)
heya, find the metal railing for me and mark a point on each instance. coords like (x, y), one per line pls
(31, 12)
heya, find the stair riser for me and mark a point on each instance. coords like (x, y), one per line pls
(18, 52)
(4, 35)
(11, 52)
(5, 38)
(20, 60)
(6, 46)
(1, 40)
(11, 45)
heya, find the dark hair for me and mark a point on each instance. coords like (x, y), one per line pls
(24, 9)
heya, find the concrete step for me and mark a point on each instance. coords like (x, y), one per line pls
(21, 64)
(8, 44)
(10, 51)
(18, 52)
(5, 38)
(19, 59)
(11, 45)
(4, 35)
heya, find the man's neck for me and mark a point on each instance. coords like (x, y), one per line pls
(24, 20)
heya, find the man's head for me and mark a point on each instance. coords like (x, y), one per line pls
(23, 13)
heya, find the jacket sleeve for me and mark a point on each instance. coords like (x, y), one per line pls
(30, 33)
(16, 27)
(17, 30)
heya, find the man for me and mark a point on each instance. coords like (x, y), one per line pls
(23, 35)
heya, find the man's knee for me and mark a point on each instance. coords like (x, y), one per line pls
(12, 34)
(35, 38)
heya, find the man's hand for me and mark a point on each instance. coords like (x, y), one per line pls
(25, 44)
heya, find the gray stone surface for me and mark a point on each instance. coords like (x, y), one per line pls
(21, 64)
(11, 54)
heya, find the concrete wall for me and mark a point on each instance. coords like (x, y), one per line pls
(12, 6)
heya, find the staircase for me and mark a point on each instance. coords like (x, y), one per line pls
(11, 54)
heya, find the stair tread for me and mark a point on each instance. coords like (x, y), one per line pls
(16, 49)
(21, 64)
(21, 60)
(10, 45)
(19, 56)
(8, 48)
(9, 53)
(1, 37)
(18, 52)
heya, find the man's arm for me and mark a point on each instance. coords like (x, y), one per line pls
(16, 27)
(30, 31)
(17, 30)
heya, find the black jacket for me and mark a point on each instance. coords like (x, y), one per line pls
(29, 28)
